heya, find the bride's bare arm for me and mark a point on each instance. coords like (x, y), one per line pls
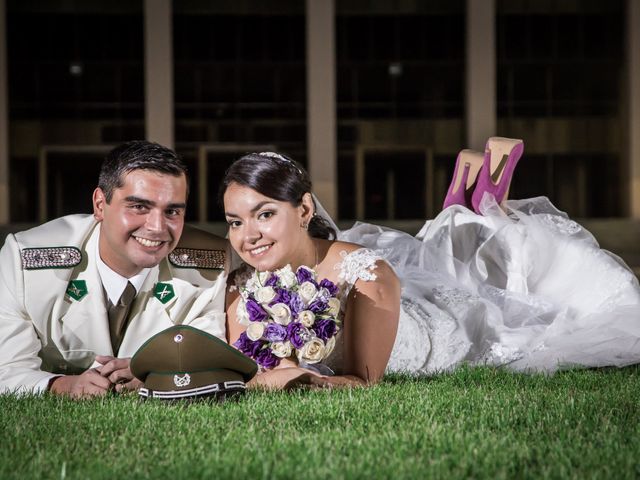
(370, 325)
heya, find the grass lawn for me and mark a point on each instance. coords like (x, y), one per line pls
(479, 423)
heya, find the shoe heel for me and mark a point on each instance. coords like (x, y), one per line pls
(500, 160)
(468, 164)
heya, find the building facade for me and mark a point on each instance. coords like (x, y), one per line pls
(375, 97)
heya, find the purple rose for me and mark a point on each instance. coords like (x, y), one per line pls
(273, 281)
(267, 359)
(275, 333)
(248, 346)
(330, 286)
(297, 333)
(304, 274)
(325, 329)
(255, 311)
(282, 296)
(318, 306)
(296, 305)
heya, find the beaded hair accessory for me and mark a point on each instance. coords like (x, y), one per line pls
(277, 156)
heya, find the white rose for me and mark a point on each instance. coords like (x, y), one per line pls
(324, 294)
(252, 284)
(241, 313)
(312, 351)
(330, 345)
(263, 276)
(334, 306)
(288, 279)
(307, 292)
(281, 349)
(255, 330)
(307, 318)
(283, 271)
(265, 294)
(281, 313)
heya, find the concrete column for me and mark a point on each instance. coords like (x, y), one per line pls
(4, 120)
(321, 101)
(158, 71)
(633, 63)
(481, 121)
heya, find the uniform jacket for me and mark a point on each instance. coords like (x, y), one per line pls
(53, 310)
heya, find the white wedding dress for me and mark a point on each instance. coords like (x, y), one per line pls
(524, 287)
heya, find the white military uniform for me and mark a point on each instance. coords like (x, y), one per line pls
(53, 310)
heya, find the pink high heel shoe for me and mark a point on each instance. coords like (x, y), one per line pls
(468, 164)
(500, 159)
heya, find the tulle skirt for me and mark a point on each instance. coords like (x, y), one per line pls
(524, 287)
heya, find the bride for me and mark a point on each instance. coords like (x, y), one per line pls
(487, 282)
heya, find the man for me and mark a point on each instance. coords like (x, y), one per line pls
(80, 294)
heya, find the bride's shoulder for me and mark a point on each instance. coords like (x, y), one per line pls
(338, 248)
(339, 251)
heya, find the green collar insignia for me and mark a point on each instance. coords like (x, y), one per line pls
(163, 292)
(77, 289)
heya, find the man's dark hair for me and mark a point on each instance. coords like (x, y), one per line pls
(138, 155)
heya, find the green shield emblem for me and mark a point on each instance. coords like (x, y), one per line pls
(163, 292)
(77, 289)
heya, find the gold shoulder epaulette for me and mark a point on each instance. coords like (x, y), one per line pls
(198, 258)
(50, 257)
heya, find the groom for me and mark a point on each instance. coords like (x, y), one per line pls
(80, 294)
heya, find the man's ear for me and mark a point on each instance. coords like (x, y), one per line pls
(99, 201)
(307, 207)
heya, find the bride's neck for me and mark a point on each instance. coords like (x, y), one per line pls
(306, 255)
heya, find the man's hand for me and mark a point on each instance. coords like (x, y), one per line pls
(117, 371)
(87, 384)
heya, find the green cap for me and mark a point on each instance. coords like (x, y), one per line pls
(183, 362)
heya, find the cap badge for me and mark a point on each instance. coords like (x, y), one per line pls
(163, 292)
(77, 289)
(182, 381)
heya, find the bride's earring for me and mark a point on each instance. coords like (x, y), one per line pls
(304, 225)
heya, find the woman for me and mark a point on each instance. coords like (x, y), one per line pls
(518, 285)
(272, 223)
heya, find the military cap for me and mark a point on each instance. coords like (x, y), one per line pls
(183, 362)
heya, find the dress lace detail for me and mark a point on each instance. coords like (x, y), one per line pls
(452, 297)
(560, 224)
(357, 265)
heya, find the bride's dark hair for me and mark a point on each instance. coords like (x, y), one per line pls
(275, 176)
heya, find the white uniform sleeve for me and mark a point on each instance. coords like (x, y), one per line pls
(207, 312)
(19, 342)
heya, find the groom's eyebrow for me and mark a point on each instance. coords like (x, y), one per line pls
(253, 210)
(149, 203)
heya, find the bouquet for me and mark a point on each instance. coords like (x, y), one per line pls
(288, 313)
